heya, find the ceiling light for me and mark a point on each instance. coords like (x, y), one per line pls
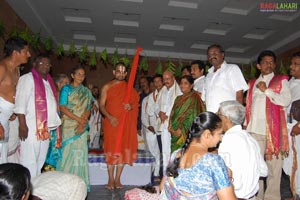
(84, 37)
(163, 43)
(183, 4)
(78, 19)
(125, 23)
(171, 27)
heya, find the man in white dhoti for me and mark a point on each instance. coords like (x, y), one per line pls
(36, 107)
(294, 129)
(163, 110)
(16, 52)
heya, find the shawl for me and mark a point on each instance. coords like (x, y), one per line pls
(41, 106)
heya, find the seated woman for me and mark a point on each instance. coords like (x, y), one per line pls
(14, 181)
(186, 107)
(194, 173)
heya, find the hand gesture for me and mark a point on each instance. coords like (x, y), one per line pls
(114, 121)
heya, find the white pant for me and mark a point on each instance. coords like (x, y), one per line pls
(288, 162)
(152, 144)
(166, 148)
(33, 153)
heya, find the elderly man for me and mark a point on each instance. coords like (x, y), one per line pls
(163, 110)
(240, 151)
(36, 107)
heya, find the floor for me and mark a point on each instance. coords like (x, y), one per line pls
(98, 192)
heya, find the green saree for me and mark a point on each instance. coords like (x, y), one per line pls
(186, 107)
(74, 146)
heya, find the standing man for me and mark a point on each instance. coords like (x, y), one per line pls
(16, 52)
(294, 128)
(36, 107)
(267, 99)
(224, 81)
(198, 74)
(163, 110)
(111, 105)
(150, 121)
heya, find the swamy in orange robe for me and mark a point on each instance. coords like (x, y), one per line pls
(114, 105)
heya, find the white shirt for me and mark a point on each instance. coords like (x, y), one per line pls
(154, 120)
(222, 85)
(144, 115)
(241, 153)
(166, 100)
(25, 103)
(199, 86)
(257, 123)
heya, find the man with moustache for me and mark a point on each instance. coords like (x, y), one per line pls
(163, 110)
(111, 105)
(294, 128)
(223, 82)
(267, 99)
(16, 51)
(36, 107)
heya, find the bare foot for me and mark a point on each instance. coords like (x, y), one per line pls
(110, 185)
(118, 185)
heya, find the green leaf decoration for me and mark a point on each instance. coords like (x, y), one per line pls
(170, 66)
(35, 40)
(2, 29)
(104, 56)
(48, 43)
(125, 60)
(60, 51)
(252, 71)
(93, 59)
(245, 73)
(283, 70)
(14, 32)
(72, 49)
(115, 58)
(159, 68)
(178, 69)
(206, 69)
(144, 64)
(25, 35)
(83, 54)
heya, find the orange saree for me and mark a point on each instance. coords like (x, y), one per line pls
(114, 105)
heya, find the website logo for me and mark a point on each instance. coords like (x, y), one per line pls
(278, 7)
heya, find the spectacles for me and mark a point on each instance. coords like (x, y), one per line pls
(46, 64)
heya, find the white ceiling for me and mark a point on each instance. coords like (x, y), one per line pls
(180, 29)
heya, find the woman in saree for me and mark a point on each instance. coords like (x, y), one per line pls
(54, 153)
(75, 104)
(195, 173)
(186, 107)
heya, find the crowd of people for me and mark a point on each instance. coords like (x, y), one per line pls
(253, 138)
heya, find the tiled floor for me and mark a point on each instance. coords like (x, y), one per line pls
(98, 192)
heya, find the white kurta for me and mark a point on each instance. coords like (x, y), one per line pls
(199, 85)
(165, 104)
(222, 85)
(150, 137)
(32, 151)
(241, 153)
(294, 85)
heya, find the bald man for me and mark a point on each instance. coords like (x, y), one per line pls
(163, 109)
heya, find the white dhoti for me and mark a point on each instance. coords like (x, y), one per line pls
(288, 162)
(153, 147)
(6, 110)
(13, 155)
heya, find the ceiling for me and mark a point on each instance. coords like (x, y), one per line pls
(181, 29)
